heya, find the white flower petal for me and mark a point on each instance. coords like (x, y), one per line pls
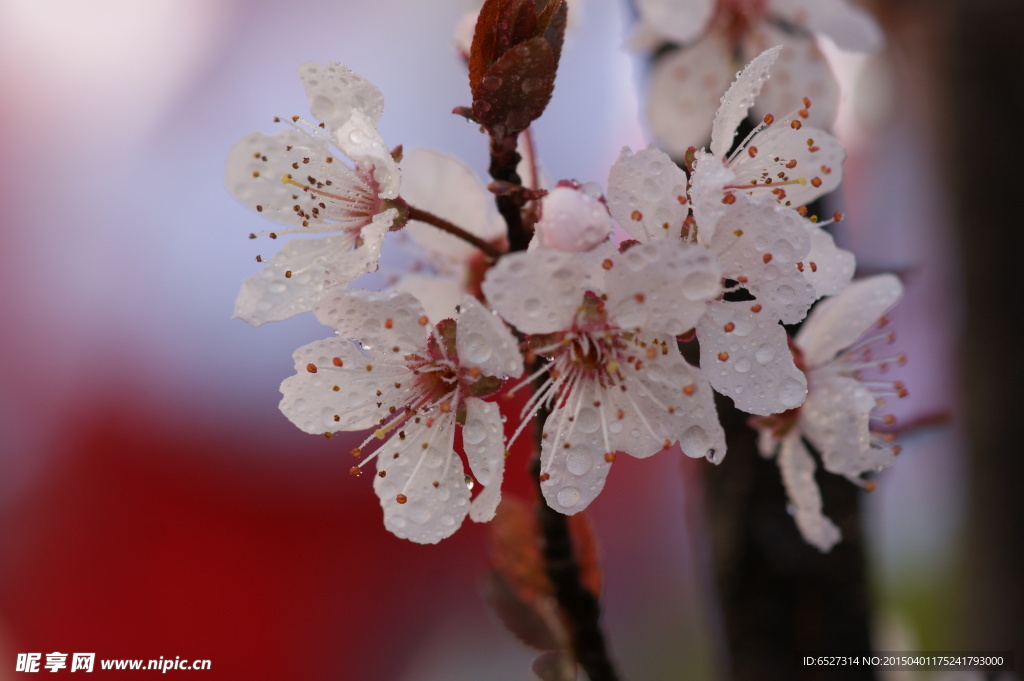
(647, 194)
(571, 221)
(828, 267)
(661, 288)
(359, 140)
(484, 341)
(751, 362)
(809, 156)
(707, 189)
(537, 291)
(387, 322)
(311, 402)
(483, 439)
(685, 91)
(849, 26)
(678, 20)
(363, 258)
(835, 419)
(762, 242)
(335, 91)
(270, 296)
(837, 322)
(575, 474)
(738, 99)
(257, 183)
(681, 406)
(797, 468)
(801, 71)
(446, 187)
(432, 480)
(437, 295)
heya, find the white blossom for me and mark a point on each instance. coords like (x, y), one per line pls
(615, 380)
(389, 369)
(782, 158)
(297, 178)
(842, 401)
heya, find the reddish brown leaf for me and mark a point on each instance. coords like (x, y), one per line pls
(500, 25)
(516, 89)
(512, 62)
(534, 622)
(518, 588)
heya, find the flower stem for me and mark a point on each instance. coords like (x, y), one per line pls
(421, 215)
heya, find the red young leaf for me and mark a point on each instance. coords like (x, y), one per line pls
(518, 588)
(516, 88)
(512, 62)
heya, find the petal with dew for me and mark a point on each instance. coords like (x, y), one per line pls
(837, 322)
(801, 164)
(293, 282)
(359, 140)
(683, 403)
(738, 99)
(647, 194)
(797, 468)
(484, 341)
(573, 458)
(257, 163)
(425, 470)
(483, 439)
(835, 419)
(746, 356)
(537, 291)
(340, 394)
(707, 190)
(384, 321)
(827, 267)
(661, 288)
(335, 91)
(760, 244)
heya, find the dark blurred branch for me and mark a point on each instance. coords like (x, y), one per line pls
(984, 99)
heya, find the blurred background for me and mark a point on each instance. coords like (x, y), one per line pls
(154, 502)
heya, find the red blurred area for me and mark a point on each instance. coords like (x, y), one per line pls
(156, 538)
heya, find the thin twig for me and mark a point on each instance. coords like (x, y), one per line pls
(421, 215)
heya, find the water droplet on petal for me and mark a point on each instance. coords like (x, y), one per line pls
(578, 463)
(792, 393)
(569, 497)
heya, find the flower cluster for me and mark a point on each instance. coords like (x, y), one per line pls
(719, 257)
